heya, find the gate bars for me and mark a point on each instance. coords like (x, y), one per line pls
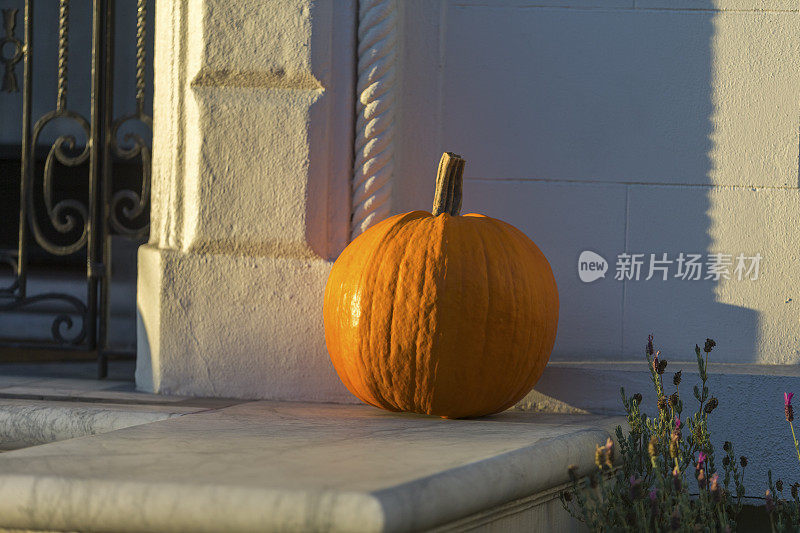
(105, 211)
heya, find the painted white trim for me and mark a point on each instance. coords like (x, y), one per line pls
(373, 167)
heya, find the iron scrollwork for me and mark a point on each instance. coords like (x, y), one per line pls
(11, 288)
(130, 203)
(10, 84)
(64, 215)
(61, 319)
(98, 140)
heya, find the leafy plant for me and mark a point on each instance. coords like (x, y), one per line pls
(666, 477)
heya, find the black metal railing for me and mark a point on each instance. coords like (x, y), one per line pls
(106, 152)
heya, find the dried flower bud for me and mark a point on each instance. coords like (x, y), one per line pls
(709, 345)
(675, 520)
(599, 456)
(788, 410)
(649, 348)
(567, 496)
(743, 461)
(663, 404)
(711, 405)
(794, 490)
(726, 461)
(662, 366)
(638, 398)
(727, 446)
(676, 378)
(652, 447)
(673, 400)
(701, 478)
(779, 485)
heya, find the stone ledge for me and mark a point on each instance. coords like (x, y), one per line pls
(295, 466)
(26, 423)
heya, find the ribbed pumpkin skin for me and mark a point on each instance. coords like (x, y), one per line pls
(453, 316)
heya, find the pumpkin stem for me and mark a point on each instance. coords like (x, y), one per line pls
(449, 181)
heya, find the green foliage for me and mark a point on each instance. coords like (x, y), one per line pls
(666, 477)
(784, 513)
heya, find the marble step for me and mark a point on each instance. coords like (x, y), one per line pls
(271, 466)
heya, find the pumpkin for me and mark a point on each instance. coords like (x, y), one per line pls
(441, 314)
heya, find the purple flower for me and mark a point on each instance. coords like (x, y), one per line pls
(701, 458)
(650, 344)
(677, 424)
(653, 494)
(787, 406)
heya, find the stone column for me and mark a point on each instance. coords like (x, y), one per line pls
(252, 156)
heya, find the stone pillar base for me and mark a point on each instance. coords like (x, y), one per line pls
(233, 326)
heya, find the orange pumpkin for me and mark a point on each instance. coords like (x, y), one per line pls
(441, 314)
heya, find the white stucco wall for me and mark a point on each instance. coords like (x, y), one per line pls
(646, 126)
(639, 127)
(618, 126)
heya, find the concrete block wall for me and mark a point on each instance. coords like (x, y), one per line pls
(638, 126)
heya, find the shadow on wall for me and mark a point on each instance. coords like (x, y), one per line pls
(592, 130)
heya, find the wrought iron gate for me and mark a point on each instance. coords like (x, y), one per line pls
(95, 149)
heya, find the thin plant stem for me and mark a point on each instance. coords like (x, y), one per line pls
(796, 444)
